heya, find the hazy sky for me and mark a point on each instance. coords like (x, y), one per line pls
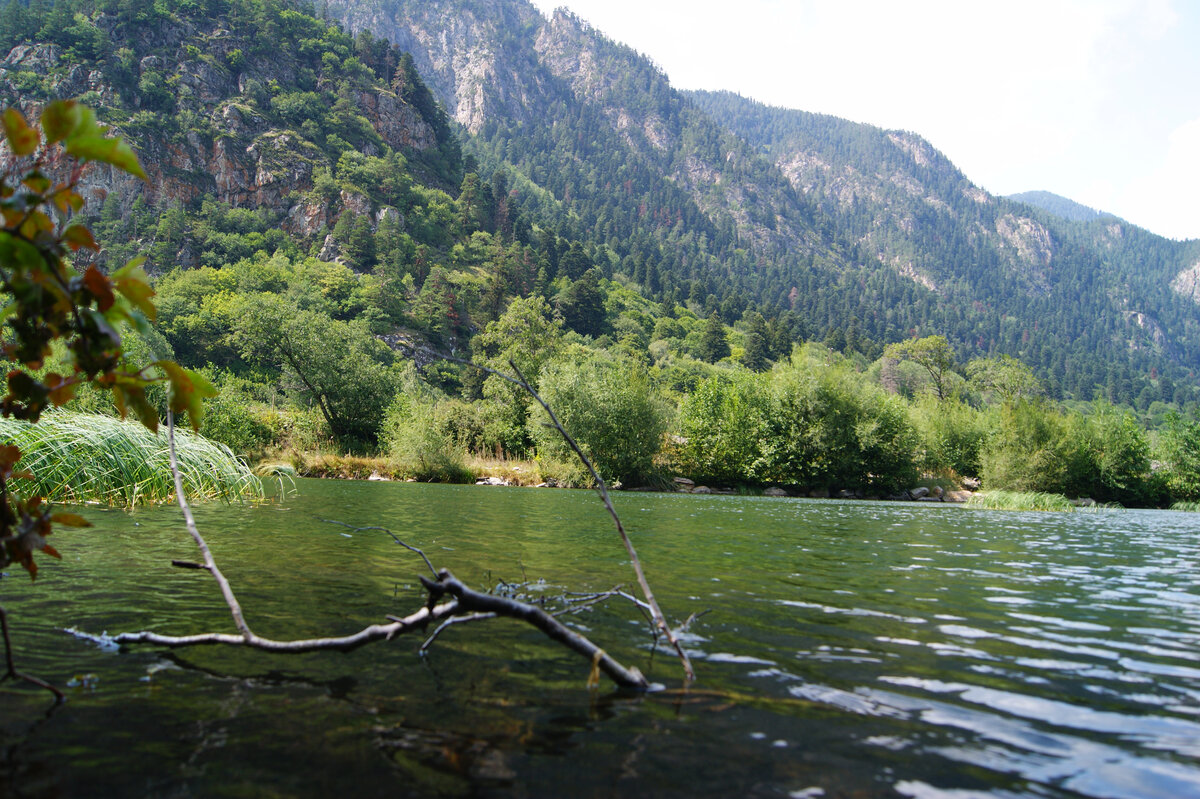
(1096, 100)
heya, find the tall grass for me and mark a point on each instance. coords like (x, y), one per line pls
(1186, 505)
(1020, 500)
(91, 458)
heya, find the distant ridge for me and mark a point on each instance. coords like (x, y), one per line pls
(1058, 205)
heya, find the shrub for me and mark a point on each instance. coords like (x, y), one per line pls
(952, 435)
(609, 407)
(724, 427)
(421, 446)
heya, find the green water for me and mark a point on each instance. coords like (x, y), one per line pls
(845, 649)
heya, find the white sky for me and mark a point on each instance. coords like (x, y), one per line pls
(1096, 100)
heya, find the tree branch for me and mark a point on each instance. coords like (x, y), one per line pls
(474, 601)
(660, 620)
(460, 604)
(11, 672)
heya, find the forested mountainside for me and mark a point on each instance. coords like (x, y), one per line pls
(314, 218)
(266, 129)
(1058, 205)
(1040, 286)
(858, 230)
(235, 105)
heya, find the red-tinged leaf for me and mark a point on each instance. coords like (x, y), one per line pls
(21, 137)
(106, 150)
(62, 390)
(36, 182)
(133, 398)
(70, 520)
(133, 283)
(9, 455)
(77, 236)
(100, 287)
(21, 475)
(60, 119)
(51, 551)
(66, 200)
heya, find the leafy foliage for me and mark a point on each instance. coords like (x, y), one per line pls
(610, 408)
(49, 301)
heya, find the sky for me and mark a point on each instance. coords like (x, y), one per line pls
(1096, 100)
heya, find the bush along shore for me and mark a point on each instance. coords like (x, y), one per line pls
(818, 424)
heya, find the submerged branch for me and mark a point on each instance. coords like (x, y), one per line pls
(10, 670)
(660, 620)
(470, 600)
(449, 601)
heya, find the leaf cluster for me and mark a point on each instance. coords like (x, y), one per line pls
(47, 300)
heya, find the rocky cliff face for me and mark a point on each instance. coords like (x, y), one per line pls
(216, 141)
(474, 57)
(501, 61)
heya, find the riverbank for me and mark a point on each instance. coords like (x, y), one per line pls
(530, 473)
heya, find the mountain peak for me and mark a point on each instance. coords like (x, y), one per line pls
(1058, 205)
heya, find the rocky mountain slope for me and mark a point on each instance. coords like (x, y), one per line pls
(244, 112)
(869, 231)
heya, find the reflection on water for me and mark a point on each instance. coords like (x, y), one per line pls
(848, 649)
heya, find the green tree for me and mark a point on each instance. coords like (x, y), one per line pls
(713, 344)
(724, 426)
(350, 383)
(758, 348)
(1004, 377)
(582, 305)
(1180, 452)
(528, 334)
(933, 354)
(1029, 451)
(610, 408)
(360, 245)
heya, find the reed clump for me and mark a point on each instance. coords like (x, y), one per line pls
(1021, 500)
(77, 458)
(1189, 506)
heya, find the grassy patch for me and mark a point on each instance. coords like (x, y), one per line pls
(513, 472)
(91, 458)
(1021, 500)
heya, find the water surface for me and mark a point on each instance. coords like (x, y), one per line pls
(842, 649)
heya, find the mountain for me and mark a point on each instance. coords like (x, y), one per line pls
(1058, 205)
(1102, 286)
(857, 230)
(266, 128)
(251, 106)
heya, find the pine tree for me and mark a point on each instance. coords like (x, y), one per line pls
(757, 348)
(713, 344)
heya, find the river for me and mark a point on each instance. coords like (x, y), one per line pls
(842, 649)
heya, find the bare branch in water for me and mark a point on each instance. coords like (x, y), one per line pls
(449, 601)
(395, 538)
(10, 666)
